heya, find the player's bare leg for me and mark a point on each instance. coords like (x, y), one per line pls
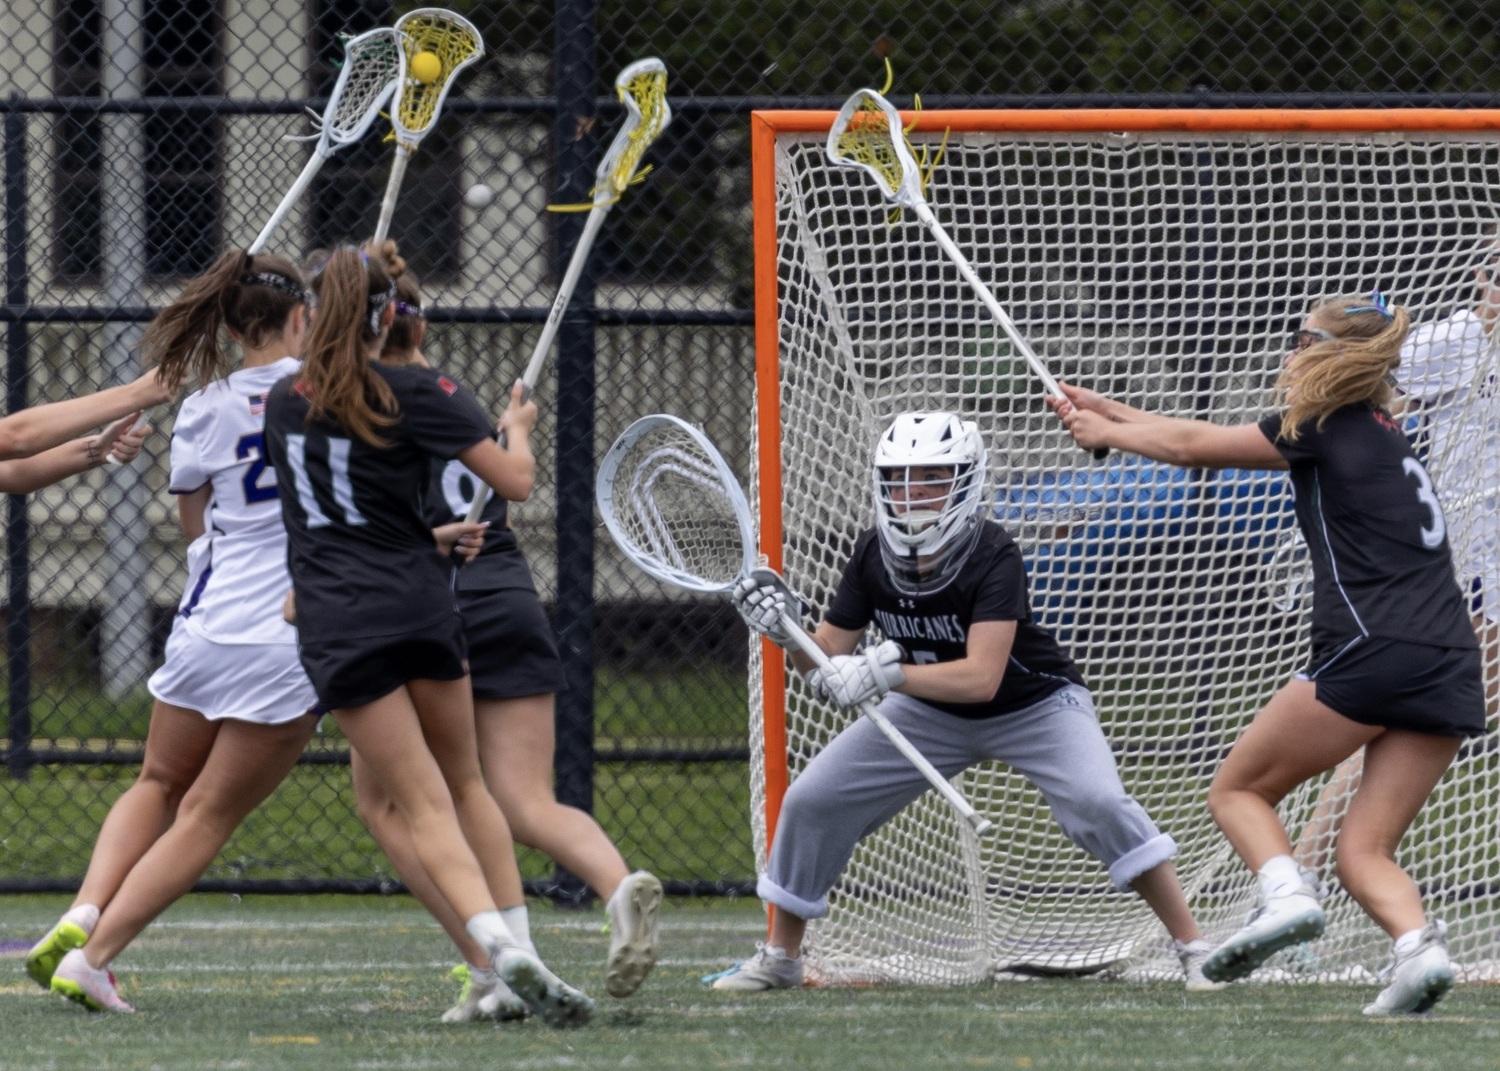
(245, 765)
(483, 995)
(1162, 891)
(777, 963)
(516, 741)
(177, 745)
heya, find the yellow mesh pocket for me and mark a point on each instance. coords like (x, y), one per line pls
(454, 43)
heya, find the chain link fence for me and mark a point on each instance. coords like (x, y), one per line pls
(143, 137)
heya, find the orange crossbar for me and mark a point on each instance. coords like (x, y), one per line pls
(765, 125)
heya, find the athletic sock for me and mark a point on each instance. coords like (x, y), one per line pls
(1279, 876)
(489, 931)
(84, 916)
(520, 925)
(1407, 941)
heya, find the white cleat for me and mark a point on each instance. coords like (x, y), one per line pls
(1279, 922)
(1419, 978)
(483, 996)
(769, 968)
(550, 999)
(86, 985)
(634, 913)
(1192, 955)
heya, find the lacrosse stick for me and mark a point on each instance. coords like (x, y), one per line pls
(868, 136)
(642, 88)
(366, 80)
(675, 509)
(455, 43)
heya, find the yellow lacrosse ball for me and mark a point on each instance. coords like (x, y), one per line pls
(426, 68)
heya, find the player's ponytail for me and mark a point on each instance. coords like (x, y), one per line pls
(353, 294)
(251, 296)
(1356, 365)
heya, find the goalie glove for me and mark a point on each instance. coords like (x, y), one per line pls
(762, 598)
(849, 680)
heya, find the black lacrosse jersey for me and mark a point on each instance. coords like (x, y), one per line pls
(499, 565)
(361, 555)
(1375, 533)
(991, 586)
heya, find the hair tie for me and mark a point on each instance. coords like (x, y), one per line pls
(403, 309)
(1377, 304)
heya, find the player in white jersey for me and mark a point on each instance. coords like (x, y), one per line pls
(232, 710)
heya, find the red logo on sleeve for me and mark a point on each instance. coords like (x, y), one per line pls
(448, 385)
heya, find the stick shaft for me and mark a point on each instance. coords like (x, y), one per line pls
(309, 172)
(392, 191)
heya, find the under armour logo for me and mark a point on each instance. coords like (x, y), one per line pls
(907, 604)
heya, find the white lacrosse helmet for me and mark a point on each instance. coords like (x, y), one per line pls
(928, 527)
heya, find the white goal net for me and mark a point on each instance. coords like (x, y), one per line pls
(1166, 268)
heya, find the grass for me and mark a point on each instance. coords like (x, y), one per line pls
(336, 982)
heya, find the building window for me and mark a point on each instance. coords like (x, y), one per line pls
(182, 56)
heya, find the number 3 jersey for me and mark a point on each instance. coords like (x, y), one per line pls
(990, 586)
(362, 558)
(237, 572)
(1375, 533)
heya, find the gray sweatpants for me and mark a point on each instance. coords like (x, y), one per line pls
(860, 781)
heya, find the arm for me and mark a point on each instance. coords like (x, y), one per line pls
(42, 427)
(190, 510)
(833, 640)
(974, 678)
(1185, 443)
(1092, 401)
(510, 471)
(460, 537)
(24, 475)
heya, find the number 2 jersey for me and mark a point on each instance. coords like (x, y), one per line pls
(990, 586)
(237, 569)
(1375, 533)
(362, 558)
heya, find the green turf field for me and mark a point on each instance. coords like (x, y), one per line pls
(338, 982)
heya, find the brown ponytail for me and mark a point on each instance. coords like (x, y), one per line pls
(1356, 365)
(337, 380)
(252, 296)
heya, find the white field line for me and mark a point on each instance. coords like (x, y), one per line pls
(366, 924)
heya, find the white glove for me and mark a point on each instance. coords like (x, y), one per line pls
(849, 680)
(762, 598)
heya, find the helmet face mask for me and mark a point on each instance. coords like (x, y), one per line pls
(929, 484)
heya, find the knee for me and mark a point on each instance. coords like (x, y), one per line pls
(167, 782)
(804, 803)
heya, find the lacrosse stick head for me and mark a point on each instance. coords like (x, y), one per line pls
(455, 42)
(868, 136)
(673, 506)
(642, 88)
(372, 65)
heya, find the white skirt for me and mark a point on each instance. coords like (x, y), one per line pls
(255, 682)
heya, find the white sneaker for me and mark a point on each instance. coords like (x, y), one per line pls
(1419, 978)
(634, 912)
(86, 985)
(769, 968)
(550, 999)
(1191, 955)
(1279, 922)
(483, 996)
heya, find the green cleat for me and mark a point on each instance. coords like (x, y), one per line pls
(46, 954)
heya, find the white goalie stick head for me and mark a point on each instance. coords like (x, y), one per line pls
(868, 136)
(642, 88)
(456, 43)
(673, 506)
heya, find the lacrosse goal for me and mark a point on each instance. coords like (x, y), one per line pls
(1163, 258)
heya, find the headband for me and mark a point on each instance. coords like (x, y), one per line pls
(276, 282)
(403, 309)
(1377, 304)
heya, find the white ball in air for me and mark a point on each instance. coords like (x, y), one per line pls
(479, 195)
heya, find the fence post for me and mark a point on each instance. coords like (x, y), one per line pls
(573, 619)
(17, 388)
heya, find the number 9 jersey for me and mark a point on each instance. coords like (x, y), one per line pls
(237, 571)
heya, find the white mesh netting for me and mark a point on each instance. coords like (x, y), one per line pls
(1166, 270)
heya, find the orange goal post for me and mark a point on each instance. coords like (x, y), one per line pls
(1163, 257)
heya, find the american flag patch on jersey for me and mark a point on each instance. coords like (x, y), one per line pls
(448, 385)
(258, 404)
